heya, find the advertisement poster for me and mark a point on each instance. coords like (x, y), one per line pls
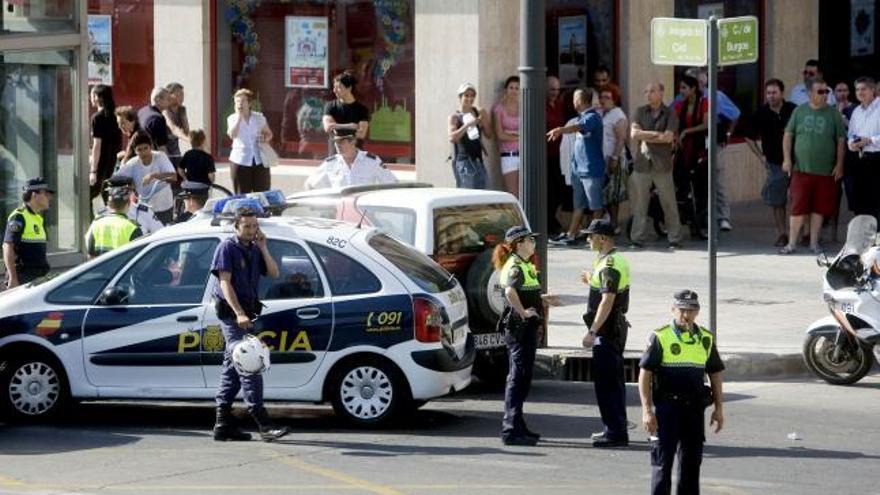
(861, 41)
(572, 50)
(305, 52)
(100, 50)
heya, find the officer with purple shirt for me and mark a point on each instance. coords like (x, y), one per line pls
(238, 263)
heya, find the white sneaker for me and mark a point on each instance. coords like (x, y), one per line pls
(725, 225)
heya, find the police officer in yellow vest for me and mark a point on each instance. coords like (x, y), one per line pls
(672, 379)
(607, 329)
(113, 228)
(24, 242)
(520, 323)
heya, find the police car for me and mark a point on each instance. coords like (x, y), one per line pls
(356, 318)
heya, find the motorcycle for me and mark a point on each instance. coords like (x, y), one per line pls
(842, 348)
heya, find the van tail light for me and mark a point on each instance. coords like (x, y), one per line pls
(428, 320)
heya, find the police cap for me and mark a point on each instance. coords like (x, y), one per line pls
(516, 233)
(601, 227)
(37, 184)
(119, 181)
(339, 134)
(191, 188)
(686, 299)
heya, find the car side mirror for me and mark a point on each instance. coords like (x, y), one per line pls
(113, 296)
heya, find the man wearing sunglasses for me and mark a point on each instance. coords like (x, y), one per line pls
(813, 152)
(800, 94)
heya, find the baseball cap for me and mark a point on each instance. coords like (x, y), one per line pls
(37, 184)
(601, 227)
(464, 87)
(686, 299)
(518, 232)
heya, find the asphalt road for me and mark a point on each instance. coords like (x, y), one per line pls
(451, 446)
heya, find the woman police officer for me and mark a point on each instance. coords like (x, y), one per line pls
(521, 322)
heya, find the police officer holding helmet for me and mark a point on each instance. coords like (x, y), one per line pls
(521, 323)
(113, 228)
(672, 379)
(24, 242)
(238, 263)
(607, 330)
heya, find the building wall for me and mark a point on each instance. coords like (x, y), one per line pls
(636, 69)
(791, 38)
(182, 54)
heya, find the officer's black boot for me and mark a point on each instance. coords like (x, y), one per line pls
(225, 429)
(269, 431)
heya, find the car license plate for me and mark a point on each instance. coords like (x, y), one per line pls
(488, 340)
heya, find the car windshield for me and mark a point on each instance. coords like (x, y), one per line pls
(427, 274)
(472, 228)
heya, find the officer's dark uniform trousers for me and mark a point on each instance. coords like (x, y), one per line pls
(230, 380)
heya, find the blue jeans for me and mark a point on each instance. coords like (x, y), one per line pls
(230, 381)
(469, 172)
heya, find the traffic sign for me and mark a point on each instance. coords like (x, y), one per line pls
(679, 41)
(737, 40)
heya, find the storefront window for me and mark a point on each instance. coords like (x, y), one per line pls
(740, 82)
(287, 53)
(39, 16)
(37, 120)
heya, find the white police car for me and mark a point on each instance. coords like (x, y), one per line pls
(356, 318)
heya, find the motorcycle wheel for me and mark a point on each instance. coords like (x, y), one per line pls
(853, 362)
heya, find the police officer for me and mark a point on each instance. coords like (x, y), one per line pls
(141, 213)
(112, 228)
(349, 166)
(521, 323)
(672, 379)
(238, 263)
(607, 330)
(195, 195)
(24, 243)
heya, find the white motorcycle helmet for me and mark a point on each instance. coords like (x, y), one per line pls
(250, 356)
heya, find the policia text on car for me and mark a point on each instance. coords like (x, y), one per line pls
(520, 322)
(24, 242)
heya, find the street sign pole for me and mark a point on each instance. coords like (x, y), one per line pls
(713, 183)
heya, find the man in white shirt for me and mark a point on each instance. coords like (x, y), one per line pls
(141, 213)
(349, 166)
(864, 138)
(800, 94)
(152, 173)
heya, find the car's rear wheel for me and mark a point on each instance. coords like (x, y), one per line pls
(368, 392)
(33, 388)
(485, 301)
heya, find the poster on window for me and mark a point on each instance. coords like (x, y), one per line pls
(861, 29)
(305, 52)
(572, 50)
(100, 50)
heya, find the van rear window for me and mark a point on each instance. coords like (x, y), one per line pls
(473, 228)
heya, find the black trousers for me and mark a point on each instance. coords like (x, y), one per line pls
(255, 178)
(681, 432)
(521, 347)
(610, 386)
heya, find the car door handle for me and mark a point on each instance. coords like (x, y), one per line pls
(188, 318)
(308, 313)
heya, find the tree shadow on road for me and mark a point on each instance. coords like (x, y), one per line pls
(723, 451)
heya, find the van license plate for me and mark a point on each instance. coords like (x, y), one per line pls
(489, 340)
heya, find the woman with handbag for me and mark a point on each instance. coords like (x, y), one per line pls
(251, 154)
(521, 324)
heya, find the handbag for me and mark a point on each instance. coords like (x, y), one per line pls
(268, 154)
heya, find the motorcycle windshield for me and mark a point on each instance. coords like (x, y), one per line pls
(860, 235)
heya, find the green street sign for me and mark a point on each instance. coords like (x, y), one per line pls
(679, 41)
(737, 40)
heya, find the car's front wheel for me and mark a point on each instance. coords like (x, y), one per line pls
(368, 392)
(32, 388)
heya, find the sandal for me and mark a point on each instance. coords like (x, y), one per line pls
(787, 250)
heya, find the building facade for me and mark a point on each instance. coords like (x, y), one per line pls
(409, 57)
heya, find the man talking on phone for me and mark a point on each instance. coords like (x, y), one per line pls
(238, 263)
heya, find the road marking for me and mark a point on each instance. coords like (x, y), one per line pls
(5, 481)
(333, 474)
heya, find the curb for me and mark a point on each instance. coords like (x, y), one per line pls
(574, 365)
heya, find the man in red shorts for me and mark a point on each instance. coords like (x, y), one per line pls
(818, 134)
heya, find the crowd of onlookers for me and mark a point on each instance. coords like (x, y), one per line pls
(817, 147)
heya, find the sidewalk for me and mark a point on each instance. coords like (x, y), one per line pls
(765, 300)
